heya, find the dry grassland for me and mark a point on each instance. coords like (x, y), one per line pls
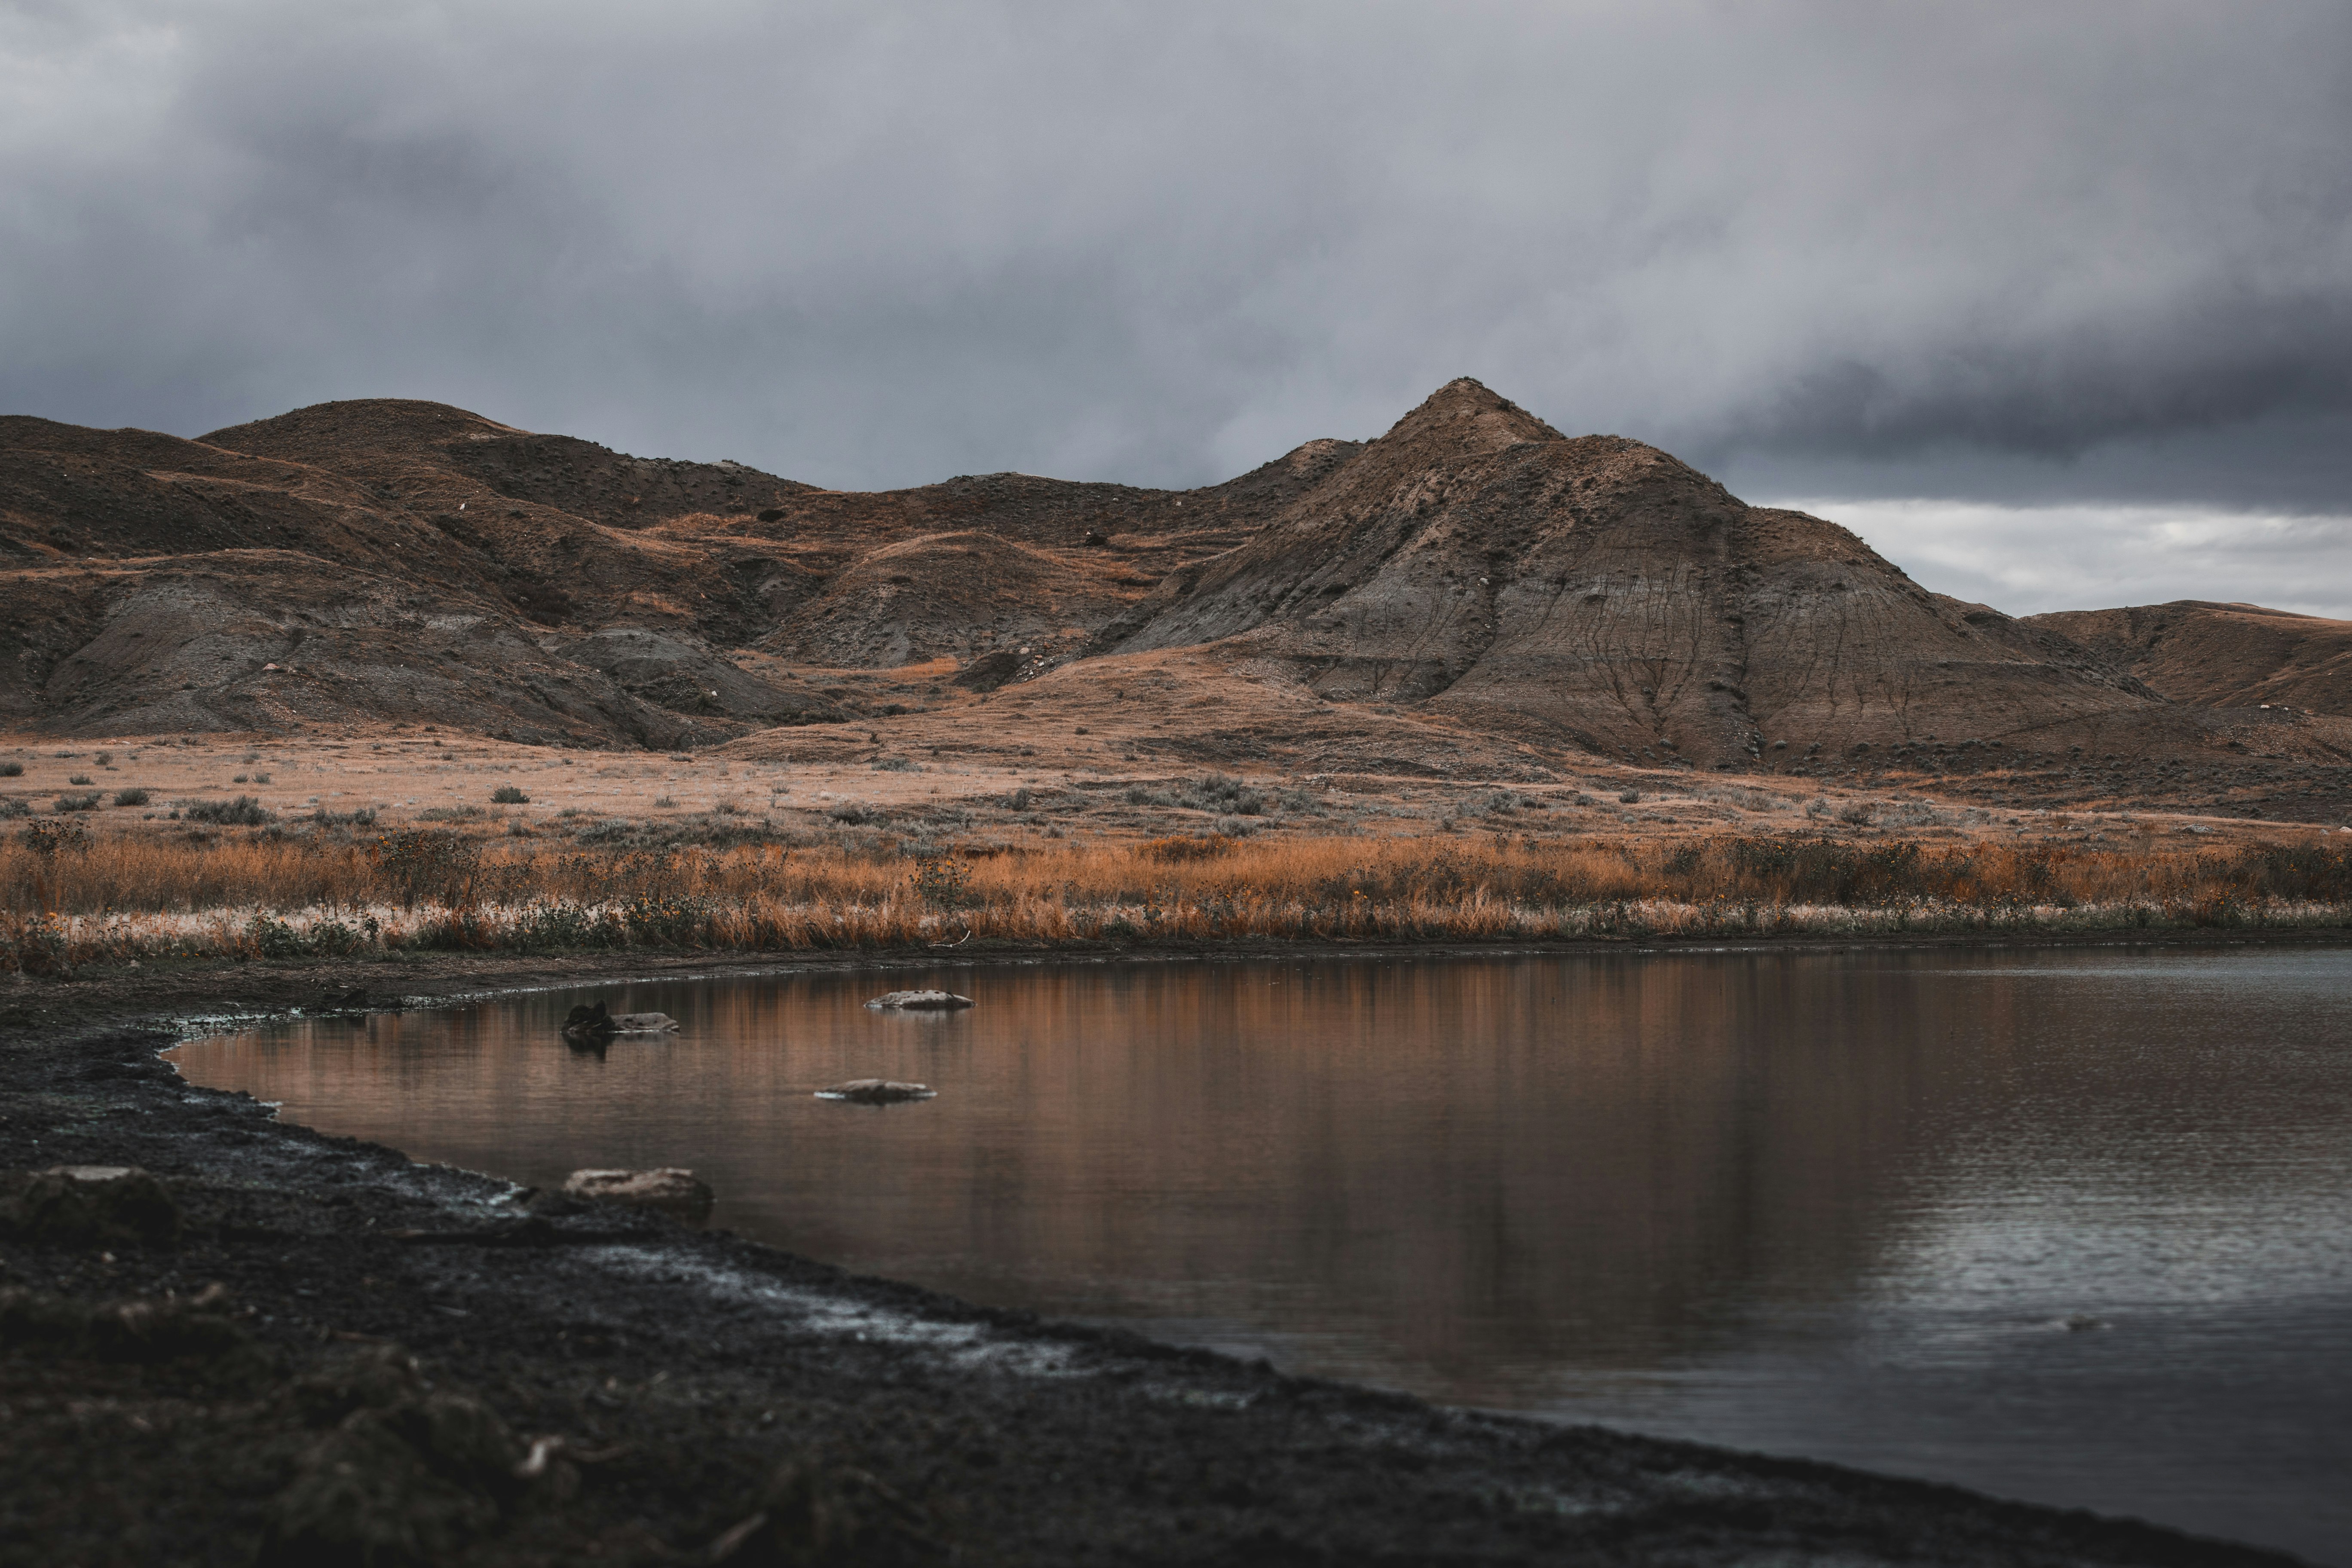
(73, 898)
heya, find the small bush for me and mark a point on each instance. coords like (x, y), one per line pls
(242, 778)
(363, 817)
(942, 881)
(508, 795)
(79, 779)
(77, 802)
(849, 813)
(665, 801)
(105, 759)
(1630, 797)
(261, 778)
(12, 809)
(243, 812)
(12, 770)
(895, 765)
(54, 837)
(1219, 793)
(131, 797)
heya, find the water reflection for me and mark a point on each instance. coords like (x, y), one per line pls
(1839, 1205)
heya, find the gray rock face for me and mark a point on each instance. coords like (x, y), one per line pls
(921, 1001)
(669, 1189)
(877, 1091)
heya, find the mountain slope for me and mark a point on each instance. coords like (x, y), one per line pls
(1476, 561)
(2230, 655)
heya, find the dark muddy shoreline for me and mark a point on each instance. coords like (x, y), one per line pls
(389, 1341)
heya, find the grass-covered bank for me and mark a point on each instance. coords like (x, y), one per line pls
(73, 898)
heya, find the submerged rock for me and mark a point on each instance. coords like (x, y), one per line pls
(669, 1189)
(921, 1001)
(877, 1091)
(88, 1206)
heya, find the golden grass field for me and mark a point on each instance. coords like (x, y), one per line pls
(73, 898)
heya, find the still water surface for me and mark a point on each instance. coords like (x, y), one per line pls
(2069, 1227)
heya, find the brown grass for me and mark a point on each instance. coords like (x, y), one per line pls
(116, 897)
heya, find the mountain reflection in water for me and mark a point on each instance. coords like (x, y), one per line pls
(2066, 1225)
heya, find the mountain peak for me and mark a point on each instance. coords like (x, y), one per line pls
(1465, 411)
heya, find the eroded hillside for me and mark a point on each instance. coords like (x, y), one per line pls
(1473, 593)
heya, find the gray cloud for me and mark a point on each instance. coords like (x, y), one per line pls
(2030, 253)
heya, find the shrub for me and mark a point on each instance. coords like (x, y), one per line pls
(49, 838)
(12, 770)
(665, 801)
(508, 795)
(77, 802)
(243, 812)
(79, 779)
(274, 938)
(131, 797)
(942, 881)
(1221, 793)
(895, 765)
(1630, 797)
(363, 817)
(12, 809)
(849, 813)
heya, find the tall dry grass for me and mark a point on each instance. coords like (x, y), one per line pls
(71, 901)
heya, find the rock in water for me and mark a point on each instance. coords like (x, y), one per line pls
(591, 1026)
(88, 1206)
(586, 1025)
(877, 1091)
(921, 1001)
(669, 1189)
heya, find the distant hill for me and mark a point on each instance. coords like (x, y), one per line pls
(2227, 655)
(1472, 590)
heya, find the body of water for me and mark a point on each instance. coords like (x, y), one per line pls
(2072, 1227)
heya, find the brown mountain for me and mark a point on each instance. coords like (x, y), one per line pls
(1475, 560)
(2238, 655)
(1472, 592)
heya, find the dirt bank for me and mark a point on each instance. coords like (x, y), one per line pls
(330, 1345)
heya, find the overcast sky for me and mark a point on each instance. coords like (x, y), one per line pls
(2048, 301)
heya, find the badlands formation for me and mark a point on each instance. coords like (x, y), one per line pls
(1471, 601)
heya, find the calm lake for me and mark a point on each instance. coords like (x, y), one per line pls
(2072, 1227)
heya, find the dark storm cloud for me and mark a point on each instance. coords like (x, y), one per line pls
(2098, 251)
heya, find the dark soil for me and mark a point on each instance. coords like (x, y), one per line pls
(334, 1354)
